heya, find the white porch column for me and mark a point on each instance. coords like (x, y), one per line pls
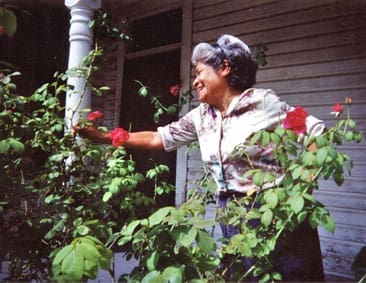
(81, 40)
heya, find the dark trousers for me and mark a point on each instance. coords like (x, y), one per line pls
(297, 255)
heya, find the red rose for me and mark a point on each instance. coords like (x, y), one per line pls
(338, 108)
(174, 90)
(118, 136)
(295, 120)
(94, 115)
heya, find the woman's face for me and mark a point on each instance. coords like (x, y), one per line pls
(209, 83)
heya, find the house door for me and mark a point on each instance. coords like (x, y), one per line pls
(155, 62)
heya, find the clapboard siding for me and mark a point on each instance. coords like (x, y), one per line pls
(319, 83)
(258, 16)
(338, 94)
(316, 57)
(313, 70)
(351, 185)
(336, 258)
(337, 199)
(281, 30)
(345, 232)
(216, 8)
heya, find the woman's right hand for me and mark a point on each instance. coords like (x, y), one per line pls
(91, 132)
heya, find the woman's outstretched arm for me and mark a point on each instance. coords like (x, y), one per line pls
(150, 140)
(145, 140)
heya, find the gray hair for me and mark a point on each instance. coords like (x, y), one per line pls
(238, 56)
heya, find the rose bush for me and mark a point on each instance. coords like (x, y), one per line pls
(173, 243)
(60, 199)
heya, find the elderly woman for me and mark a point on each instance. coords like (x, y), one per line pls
(231, 111)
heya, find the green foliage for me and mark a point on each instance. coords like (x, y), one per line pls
(80, 260)
(160, 109)
(172, 244)
(260, 54)
(103, 27)
(57, 189)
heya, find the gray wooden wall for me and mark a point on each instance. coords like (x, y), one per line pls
(316, 57)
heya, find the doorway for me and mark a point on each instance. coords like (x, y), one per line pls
(155, 63)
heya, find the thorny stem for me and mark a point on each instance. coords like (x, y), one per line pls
(248, 272)
(348, 118)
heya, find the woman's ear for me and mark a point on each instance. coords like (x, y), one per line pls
(226, 68)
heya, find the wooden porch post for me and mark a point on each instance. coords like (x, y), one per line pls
(81, 40)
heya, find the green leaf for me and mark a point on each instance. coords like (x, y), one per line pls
(90, 269)
(349, 136)
(205, 242)
(8, 21)
(73, 265)
(152, 260)
(61, 254)
(125, 239)
(258, 271)
(172, 275)
(143, 91)
(314, 220)
(4, 146)
(351, 123)
(115, 185)
(172, 109)
(255, 138)
(265, 138)
(107, 196)
(104, 260)
(357, 136)
(276, 276)
(253, 214)
(338, 178)
(265, 278)
(309, 158)
(267, 217)
(321, 155)
(271, 198)
(16, 145)
(320, 141)
(131, 227)
(152, 277)
(280, 131)
(328, 223)
(275, 138)
(309, 197)
(301, 216)
(186, 238)
(83, 230)
(88, 251)
(158, 216)
(296, 173)
(57, 157)
(258, 178)
(296, 203)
